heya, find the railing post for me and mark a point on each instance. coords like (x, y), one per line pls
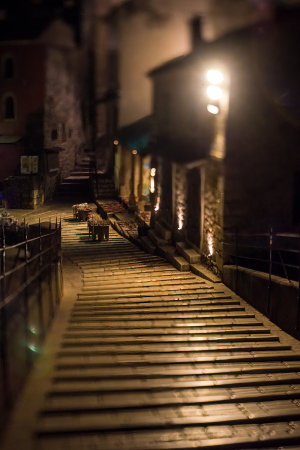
(26, 306)
(236, 260)
(60, 262)
(3, 283)
(270, 271)
(50, 270)
(56, 264)
(40, 287)
(298, 297)
(3, 328)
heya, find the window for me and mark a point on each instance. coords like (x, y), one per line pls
(54, 134)
(8, 68)
(9, 107)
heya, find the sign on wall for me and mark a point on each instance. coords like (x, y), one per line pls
(29, 164)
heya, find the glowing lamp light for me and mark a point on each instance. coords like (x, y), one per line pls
(156, 208)
(210, 245)
(152, 185)
(152, 172)
(180, 225)
(134, 152)
(116, 142)
(214, 76)
(213, 109)
(214, 92)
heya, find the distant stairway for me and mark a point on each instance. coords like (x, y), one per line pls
(76, 187)
(104, 188)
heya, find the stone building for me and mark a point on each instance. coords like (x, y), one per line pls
(239, 167)
(136, 36)
(43, 89)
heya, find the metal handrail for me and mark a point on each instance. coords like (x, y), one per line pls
(21, 291)
(27, 261)
(271, 248)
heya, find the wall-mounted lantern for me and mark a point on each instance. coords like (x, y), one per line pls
(214, 92)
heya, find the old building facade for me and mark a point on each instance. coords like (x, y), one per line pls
(238, 168)
(43, 90)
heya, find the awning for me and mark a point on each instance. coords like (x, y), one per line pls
(9, 138)
(136, 136)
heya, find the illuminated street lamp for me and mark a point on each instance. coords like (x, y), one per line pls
(214, 76)
(213, 109)
(152, 196)
(214, 92)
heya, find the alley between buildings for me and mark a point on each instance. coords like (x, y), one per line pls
(142, 356)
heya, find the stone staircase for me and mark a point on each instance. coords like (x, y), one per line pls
(152, 358)
(181, 256)
(105, 188)
(76, 187)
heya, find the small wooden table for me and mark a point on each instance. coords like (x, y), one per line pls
(99, 230)
(82, 214)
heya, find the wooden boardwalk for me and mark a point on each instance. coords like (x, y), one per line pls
(152, 358)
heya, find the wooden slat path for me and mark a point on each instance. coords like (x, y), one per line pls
(155, 359)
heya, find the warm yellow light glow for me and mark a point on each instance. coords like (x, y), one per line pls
(116, 142)
(214, 76)
(214, 92)
(152, 185)
(156, 208)
(210, 245)
(213, 109)
(134, 152)
(180, 216)
(152, 172)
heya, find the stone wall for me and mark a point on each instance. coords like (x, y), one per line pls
(166, 200)
(281, 295)
(63, 126)
(193, 221)
(180, 188)
(212, 251)
(125, 173)
(23, 192)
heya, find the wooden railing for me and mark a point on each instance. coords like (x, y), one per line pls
(31, 289)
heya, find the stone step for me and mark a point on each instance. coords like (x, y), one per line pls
(163, 231)
(226, 357)
(148, 245)
(166, 249)
(146, 310)
(178, 261)
(157, 240)
(203, 272)
(77, 341)
(133, 399)
(192, 348)
(172, 333)
(176, 416)
(187, 252)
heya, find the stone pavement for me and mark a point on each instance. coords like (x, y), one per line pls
(141, 356)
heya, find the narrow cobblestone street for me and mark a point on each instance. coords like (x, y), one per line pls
(142, 356)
